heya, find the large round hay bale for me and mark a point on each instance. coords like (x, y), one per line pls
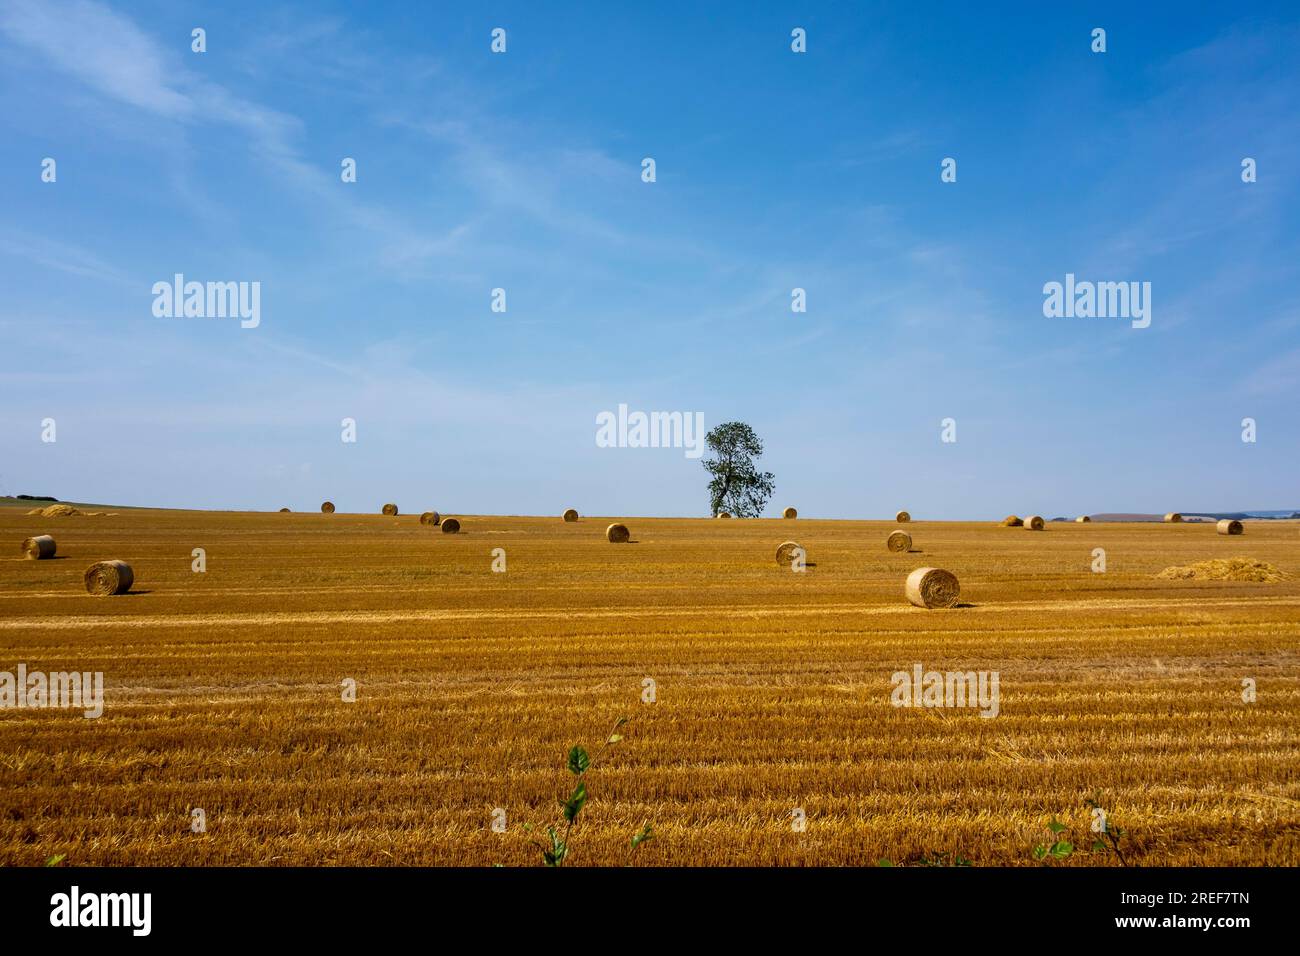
(1229, 526)
(431, 517)
(899, 541)
(40, 547)
(450, 526)
(284, 511)
(723, 514)
(327, 508)
(1083, 519)
(618, 534)
(109, 577)
(1012, 521)
(789, 513)
(932, 587)
(1035, 523)
(389, 509)
(785, 553)
(571, 514)
(902, 517)
(1173, 517)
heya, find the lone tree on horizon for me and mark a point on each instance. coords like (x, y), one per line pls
(737, 486)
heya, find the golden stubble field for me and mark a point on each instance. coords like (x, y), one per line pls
(772, 692)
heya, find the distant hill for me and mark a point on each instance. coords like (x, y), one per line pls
(1201, 516)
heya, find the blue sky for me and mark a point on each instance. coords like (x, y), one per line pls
(775, 170)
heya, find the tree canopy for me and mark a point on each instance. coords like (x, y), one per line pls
(737, 486)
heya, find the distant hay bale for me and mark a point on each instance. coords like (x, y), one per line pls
(1035, 523)
(327, 508)
(1173, 517)
(1012, 521)
(58, 511)
(1229, 526)
(618, 534)
(570, 514)
(789, 513)
(109, 577)
(40, 547)
(450, 526)
(723, 514)
(1083, 519)
(389, 509)
(899, 541)
(431, 517)
(785, 553)
(1225, 569)
(902, 517)
(932, 587)
(284, 511)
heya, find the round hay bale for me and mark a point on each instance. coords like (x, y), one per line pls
(327, 508)
(1229, 526)
(389, 509)
(785, 553)
(109, 577)
(1012, 521)
(723, 514)
(932, 587)
(40, 547)
(789, 513)
(618, 534)
(899, 541)
(902, 517)
(1173, 518)
(1083, 519)
(570, 514)
(284, 511)
(450, 526)
(1035, 523)
(431, 517)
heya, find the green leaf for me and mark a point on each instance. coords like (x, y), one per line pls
(647, 833)
(1061, 849)
(56, 860)
(1056, 827)
(1040, 852)
(1098, 845)
(883, 862)
(578, 761)
(614, 738)
(573, 806)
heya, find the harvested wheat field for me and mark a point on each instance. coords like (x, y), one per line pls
(771, 691)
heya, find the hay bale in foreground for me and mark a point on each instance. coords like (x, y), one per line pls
(902, 517)
(431, 517)
(109, 577)
(932, 587)
(1229, 526)
(899, 541)
(789, 513)
(450, 526)
(785, 553)
(618, 534)
(40, 547)
(570, 514)
(1012, 521)
(1035, 523)
(327, 507)
(1173, 518)
(1083, 519)
(389, 509)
